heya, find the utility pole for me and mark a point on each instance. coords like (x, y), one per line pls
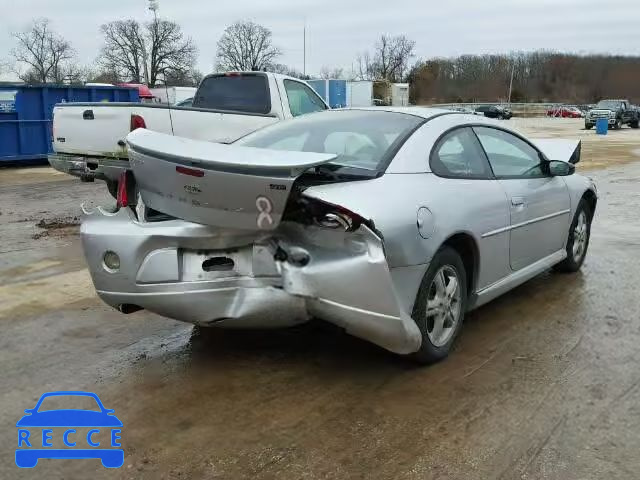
(153, 7)
(304, 48)
(513, 67)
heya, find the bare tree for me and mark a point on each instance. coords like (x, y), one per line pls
(246, 46)
(184, 79)
(123, 52)
(392, 56)
(366, 69)
(43, 52)
(328, 73)
(146, 53)
(287, 70)
(389, 61)
(103, 76)
(169, 53)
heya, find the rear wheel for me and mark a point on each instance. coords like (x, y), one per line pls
(440, 305)
(578, 241)
(635, 124)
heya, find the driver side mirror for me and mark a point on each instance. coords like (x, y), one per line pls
(561, 169)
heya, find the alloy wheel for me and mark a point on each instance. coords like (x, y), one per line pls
(580, 237)
(443, 305)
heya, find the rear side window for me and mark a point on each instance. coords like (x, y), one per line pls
(459, 155)
(247, 93)
(302, 99)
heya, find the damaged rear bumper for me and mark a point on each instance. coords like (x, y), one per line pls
(207, 276)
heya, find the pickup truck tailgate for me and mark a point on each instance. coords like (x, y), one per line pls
(221, 185)
(93, 130)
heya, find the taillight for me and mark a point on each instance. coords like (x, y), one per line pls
(137, 122)
(337, 216)
(122, 200)
(193, 172)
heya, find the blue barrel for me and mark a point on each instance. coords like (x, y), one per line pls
(602, 126)
(26, 115)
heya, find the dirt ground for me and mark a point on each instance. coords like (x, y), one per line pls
(544, 382)
(598, 151)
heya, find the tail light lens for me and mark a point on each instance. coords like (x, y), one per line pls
(137, 122)
(122, 199)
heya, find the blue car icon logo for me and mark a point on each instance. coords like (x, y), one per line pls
(41, 427)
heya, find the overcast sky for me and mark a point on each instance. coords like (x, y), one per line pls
(337, 30)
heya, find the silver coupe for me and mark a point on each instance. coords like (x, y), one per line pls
(389, 222)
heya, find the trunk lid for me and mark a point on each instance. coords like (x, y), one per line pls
(214, 184)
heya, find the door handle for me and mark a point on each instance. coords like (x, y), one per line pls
(517, 201)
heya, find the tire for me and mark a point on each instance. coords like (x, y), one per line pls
(588, 126)
(575, 256)
(112, 186)
(447, 312)
(634, 124)
(618, 124)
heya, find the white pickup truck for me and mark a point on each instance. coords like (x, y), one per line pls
(89, 138)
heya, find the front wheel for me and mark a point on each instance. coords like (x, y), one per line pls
(588, 126)
(578, 240)
(618, 124)
(440, 306)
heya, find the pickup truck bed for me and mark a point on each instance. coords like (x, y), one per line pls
(89, 138)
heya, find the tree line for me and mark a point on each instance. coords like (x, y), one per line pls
(540, 76)
(158, 52)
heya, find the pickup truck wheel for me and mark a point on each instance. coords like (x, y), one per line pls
(635, 124)
(618, 124)
(440, 306)
(112, 186)
(588, 126)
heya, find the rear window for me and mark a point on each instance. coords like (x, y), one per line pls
(363, 139)
(241, 93)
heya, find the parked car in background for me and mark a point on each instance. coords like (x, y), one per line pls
(463, 110)
(389, 222)
(495, 111)
(89, 138)
(617, 113)
(564, 111)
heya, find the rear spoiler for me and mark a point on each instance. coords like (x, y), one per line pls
(221, 157)
(560, 149)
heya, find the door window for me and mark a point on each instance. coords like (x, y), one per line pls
(302, 99)
(459, 155)
(510, 156)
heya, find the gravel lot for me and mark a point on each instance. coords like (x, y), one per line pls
(544, 382)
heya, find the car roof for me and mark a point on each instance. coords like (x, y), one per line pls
(424, 112)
